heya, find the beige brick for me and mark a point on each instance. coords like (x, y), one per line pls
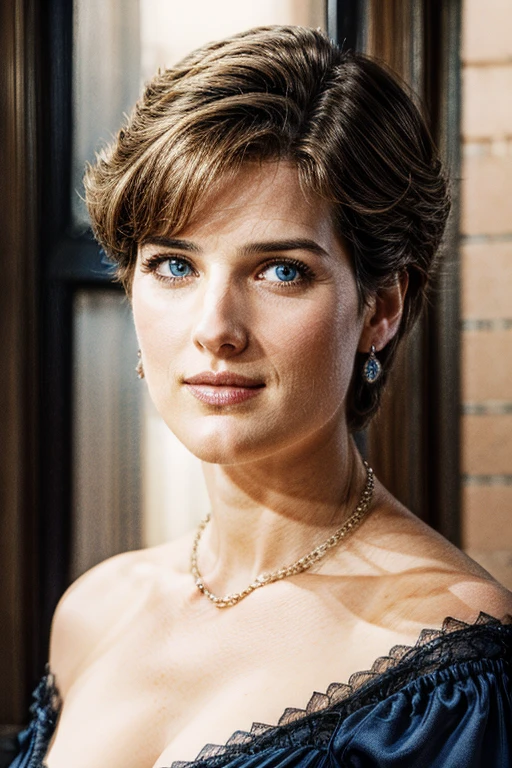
(487, 102)
(487, 366)
(487, 517)
(486, 30)
(486, 280)
(486, 195)
(498, 564)
(487, 445)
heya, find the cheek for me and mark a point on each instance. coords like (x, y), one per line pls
(150, 311)
(314, 348)
(160, 328)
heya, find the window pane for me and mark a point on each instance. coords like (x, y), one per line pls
(106, 81)
(170, 30)
(107, 409)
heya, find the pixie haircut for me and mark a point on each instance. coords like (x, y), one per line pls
(283, 93)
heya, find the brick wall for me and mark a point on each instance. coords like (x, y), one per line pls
(486, 227)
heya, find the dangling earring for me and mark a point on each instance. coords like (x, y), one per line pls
(139, 367)
(372, 369)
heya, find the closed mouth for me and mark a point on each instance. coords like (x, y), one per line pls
(224, 379)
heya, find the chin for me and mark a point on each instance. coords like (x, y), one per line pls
(220, 440)
(214, 446)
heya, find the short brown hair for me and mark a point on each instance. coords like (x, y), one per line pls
(354, 134)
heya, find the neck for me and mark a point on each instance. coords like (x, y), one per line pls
(267, 514)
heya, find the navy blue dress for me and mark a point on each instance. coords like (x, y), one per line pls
(444, 703)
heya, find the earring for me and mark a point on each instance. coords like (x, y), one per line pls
(372, 369)
(139, 368)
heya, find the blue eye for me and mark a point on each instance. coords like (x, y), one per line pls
(179, 268)
(284, 273)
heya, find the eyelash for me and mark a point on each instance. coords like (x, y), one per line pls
(151, 264)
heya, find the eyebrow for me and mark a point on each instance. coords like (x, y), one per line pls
(267, 246)
(275, 246)
(172, 242)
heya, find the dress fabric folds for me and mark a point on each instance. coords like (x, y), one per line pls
(444, 703)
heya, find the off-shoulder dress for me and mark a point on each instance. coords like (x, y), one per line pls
(444, 703)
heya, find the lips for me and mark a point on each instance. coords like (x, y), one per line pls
(224, 379)
(223, 388)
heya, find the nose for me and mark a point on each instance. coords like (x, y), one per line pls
(221, 327)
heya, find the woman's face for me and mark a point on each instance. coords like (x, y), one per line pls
(258, 286)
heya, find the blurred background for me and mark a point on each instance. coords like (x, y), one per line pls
(87, 467)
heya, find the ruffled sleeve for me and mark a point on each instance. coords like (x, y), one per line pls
(458, 717)
(33, 742)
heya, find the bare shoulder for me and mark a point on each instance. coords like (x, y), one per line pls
(96, 607)
(89, 608)
(426, 578)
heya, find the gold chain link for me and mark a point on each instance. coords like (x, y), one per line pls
(299, 566)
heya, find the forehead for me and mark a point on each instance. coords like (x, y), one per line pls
(264, 197)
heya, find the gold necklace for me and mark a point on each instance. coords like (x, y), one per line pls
(298, 566)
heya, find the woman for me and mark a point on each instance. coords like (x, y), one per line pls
(274, 207)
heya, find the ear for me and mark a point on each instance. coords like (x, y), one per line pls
(383, 315)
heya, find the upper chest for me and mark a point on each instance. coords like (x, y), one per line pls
(164, 684)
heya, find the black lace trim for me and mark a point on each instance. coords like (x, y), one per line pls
(456, 642)
(45, 711)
